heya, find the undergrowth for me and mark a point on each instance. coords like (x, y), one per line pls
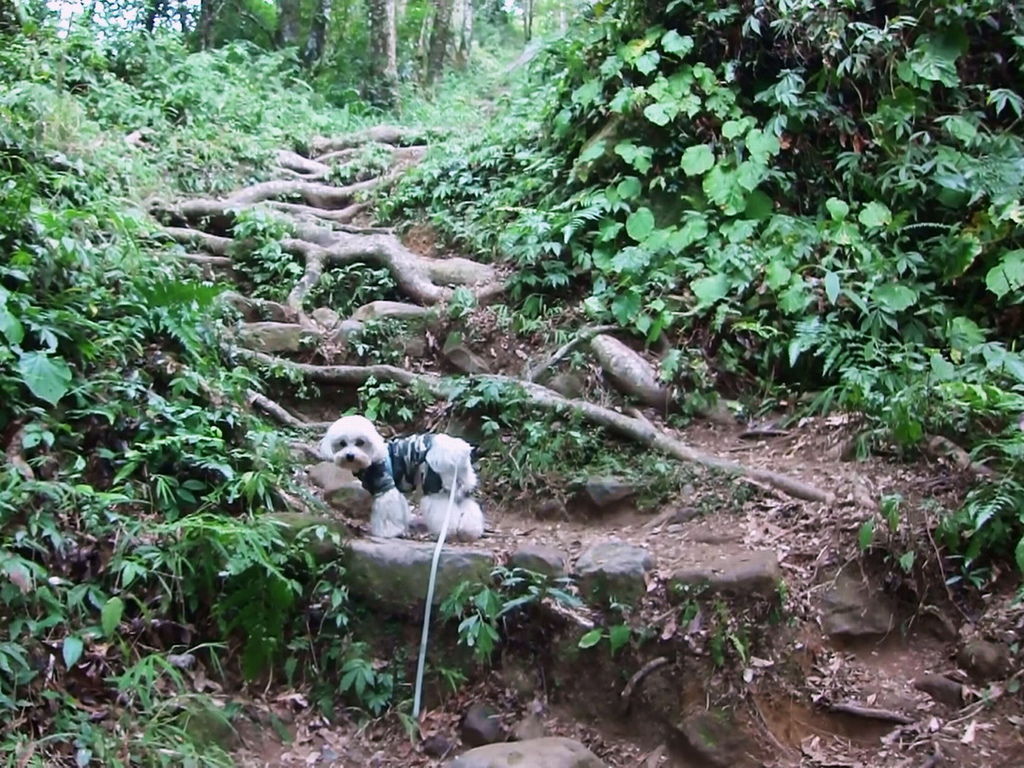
(820, 196)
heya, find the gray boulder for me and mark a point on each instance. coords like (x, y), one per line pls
(394, 572)
(745, 573)
(539, 558)
(854, 609)
(613, 570)
(277, 337)
(548, 752)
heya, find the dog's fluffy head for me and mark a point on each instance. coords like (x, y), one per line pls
(353, 442)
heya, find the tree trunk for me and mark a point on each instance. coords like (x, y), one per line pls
(465, 46)
(207, 16)
(288, 12)
(440, 36)
(528, 20)
(12, 16)
(154, 10)
(383, 52)
(183, 17)
(317, 33)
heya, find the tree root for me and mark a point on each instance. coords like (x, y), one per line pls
(582, 336)
(379, 134)
(546, 399)
(279, 414)
(627, 693)
(870, 713)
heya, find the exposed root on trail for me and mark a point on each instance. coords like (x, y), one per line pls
(277, 412)
(319, 216)
(640, 431)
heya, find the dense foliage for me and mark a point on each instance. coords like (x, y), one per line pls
(816, 195)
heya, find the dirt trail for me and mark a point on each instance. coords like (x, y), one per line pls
(787, 701)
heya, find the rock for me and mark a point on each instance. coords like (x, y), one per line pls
(342, 491)
(603, 492)
(568, 384)
(394, 572)
(746, 573)
(984, 660)
(480, 726)
(347, 329)
(326, 318)
(293, 523)
(377, 310)
(437, 746)
(258, 309)
(713, 739)
(520, 675)
(463, 358)
(530, 727)
(539, 558)
(629, 372)
(613, 570)
(854, 609)
(551, 509)
(276, 337)
(549, 752)
(941, 688)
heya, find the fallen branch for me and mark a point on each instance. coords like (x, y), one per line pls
(583, 335)
(870, 713)
(279, 414)
(939, 447)
(547, 399)
(640, 674)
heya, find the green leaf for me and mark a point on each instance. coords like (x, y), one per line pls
(837, 208)
(759, 206)
(618, 636)
(1018, 555)
(697, 160)
(964, 334)
(694, 230)
(48, 378)
(832, 287)
(874, 215)
(708, 290)
(942, 369)
(639, 224)
(777, 275)
(761, 145)
(674, 43)
(110, 615)
(10, 326)
(732, 129)
(590, 639)
(626, 307)
(723, 189)
(866, 534)
(587, 93)
(1007, 275)
(894, 297)
(72, 650)
(629, 188)
(907, 561)
(648, 62)
(659, 113)
(592, 152)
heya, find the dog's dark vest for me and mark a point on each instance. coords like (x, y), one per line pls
(406, 459)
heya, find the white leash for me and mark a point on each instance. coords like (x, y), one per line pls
(421, 662)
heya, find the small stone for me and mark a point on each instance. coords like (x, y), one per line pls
(551, 509)
(539, 558)
(747, 573)
(530, 727)
(294, 523)
(465, 360)
(613, 570)
(376, 310)
(567, 384)
(326, 318)
(605, 491)
(342, 491)
(685, 515)
(519, 675)
(549, 752)
(855, 609)
(276, 337)
(346, 330)
(437, 746)
(713, 739)
(984, 660)
(329, 476)
(941, 688)
(481, 725)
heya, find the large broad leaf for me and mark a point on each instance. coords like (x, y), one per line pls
(673, 42)
(723, 189)
(875, 215)
(761, 145)
(832, 286)
(1007, 275)
(48, 378)
(837, 208)
(639, 224)
(695, 228)
(72, 650)
(626, 307)
(10, 326)
(697, 160)
(777, 275)
(629, 188)
(110, 615)
(660, 112)
(708, 290)
(894, 297)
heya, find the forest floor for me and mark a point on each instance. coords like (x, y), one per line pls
(790, 699)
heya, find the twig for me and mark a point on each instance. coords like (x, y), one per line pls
(939, 447)
(584, 334)
(870, 713)
(639, 675)
(547, 399)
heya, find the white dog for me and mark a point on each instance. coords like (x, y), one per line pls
(391, 469)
